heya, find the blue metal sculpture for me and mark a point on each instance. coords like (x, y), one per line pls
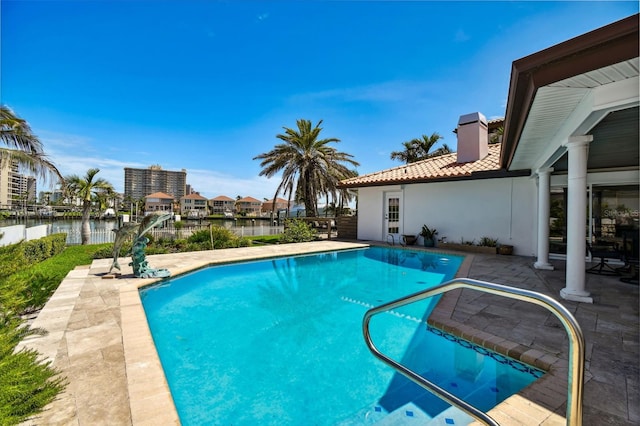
(139, 263)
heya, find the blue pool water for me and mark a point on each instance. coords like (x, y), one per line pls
(280, 341)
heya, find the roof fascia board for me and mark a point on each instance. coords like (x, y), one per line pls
(605, 46)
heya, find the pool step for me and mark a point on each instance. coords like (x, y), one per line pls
(408, 414)
(367, 416)
(452, 416)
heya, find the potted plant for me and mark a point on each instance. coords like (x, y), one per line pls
(429, 235)
(505, 249)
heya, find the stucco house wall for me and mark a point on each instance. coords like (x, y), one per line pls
(504, 208)
(371, 212)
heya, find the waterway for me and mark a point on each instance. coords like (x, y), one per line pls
(72, 227)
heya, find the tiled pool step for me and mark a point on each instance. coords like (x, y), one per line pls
(408, 414)
(452, 416)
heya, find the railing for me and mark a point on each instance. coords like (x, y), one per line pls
(576, 344)
(99, 236)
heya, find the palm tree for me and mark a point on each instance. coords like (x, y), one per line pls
(84, 188)
(310, 167)
(418, 149)
(444, 149)
(23, 146)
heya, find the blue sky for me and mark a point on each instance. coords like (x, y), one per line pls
(206, 85)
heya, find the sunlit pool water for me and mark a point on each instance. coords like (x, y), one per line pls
(280, 341)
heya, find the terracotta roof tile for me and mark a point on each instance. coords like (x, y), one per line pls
(193, 197)
(248, 200)
(444, 166)
(159, 195)
(223, 198)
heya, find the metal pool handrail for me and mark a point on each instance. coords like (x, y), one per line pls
(576, 343)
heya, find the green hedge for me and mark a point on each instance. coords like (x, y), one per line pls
(25, 253)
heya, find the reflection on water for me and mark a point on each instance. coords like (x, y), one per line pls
(424, 261)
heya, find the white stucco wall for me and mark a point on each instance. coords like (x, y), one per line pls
(505, 209)
(370, 212)
(36, 232)
(12, 234)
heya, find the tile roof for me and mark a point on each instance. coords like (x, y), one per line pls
(223, 198)
(248, 200)
(444, 167)
(159, 195)
(193, 197)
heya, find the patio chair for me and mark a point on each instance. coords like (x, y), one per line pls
(604, 252)
(409, 240)
(630, 256)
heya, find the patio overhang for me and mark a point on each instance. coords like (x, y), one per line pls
(588, 84)
(573, 108)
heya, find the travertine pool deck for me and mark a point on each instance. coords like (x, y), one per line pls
(98, 337)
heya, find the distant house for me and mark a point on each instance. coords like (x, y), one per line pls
(280, 204)
(222, 205)
(193, 205)
(249, 206)
(565, 174)
(158, 201)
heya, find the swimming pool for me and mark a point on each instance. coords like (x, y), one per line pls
(280, 341)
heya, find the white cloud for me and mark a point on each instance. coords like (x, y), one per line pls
(390, 91)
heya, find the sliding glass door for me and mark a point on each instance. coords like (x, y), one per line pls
(612, 215)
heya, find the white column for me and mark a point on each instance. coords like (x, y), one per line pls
(578, 148)
(543, 220)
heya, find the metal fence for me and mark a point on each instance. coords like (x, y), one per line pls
(100, 236)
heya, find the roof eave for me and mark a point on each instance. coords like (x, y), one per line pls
(487, 174)
(604, 46)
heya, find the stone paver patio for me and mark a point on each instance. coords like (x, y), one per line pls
(99, 339)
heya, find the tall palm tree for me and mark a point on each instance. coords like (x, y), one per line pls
(418, 149)
(310, 167)
(23, 146)
(84, 188)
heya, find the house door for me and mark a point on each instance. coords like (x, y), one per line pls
(392, 217)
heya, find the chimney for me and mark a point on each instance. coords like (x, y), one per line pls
(473, 137)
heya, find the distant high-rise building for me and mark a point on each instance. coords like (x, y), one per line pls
(139, 183)
(15, 187)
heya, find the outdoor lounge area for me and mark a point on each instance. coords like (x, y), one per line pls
(99, 338)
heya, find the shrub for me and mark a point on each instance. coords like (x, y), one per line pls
(17, 256)
(11, 259)
(222, 238)
(12, 296)
(488, 242)
(298, 231)
(26, 384)
(202, 236)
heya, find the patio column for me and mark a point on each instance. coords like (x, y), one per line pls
(544, 197)
(578, 148)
